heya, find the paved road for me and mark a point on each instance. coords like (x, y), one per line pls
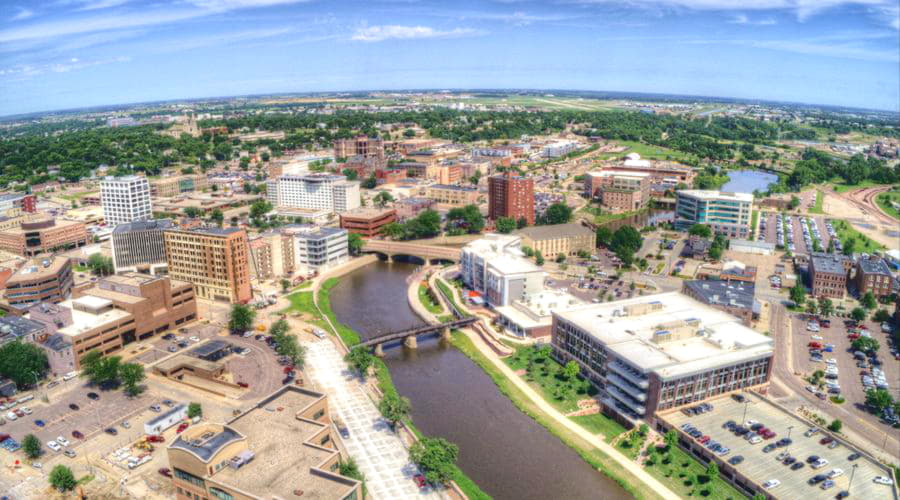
(380, 453)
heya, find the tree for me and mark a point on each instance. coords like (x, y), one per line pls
(560, 258)
(409, 133)
(858, 314)
(571, 370)
(360, 359)
(369, 182)
(865, 344)
(194, 410)
(61, 478)
(467, 217)
(132, 375)
(241, 318)
(285, 285)
(192, 212)
(538, 258)
(90, 364)
(798, 293)
(260, 208)
(712, 471)
(435, 457)
(505, 225)
(351, 469)
(881, 316)
(715, 252)
(794, 203)
(100, 265)
(107, 370)
(23, 363)
(604, 236)
(31, 445)
(382, 199)
(522, 222)
(835, 425)
(217, 217)
(701, 230)
(394, 408)
(557, 213)
(355, 243)
(868, 301)
(826, 307)
(528, 251)
(878, 399)
(671, 438)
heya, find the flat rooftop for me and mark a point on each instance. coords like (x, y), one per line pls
(38, 269)
(711, 195)
(452, 187)
(874, 265)
(512, 264)
(555, 231)
(827, 264)
(149, 225)
(718, 338)
(84, 321)
(760, 467)
(723, 293)
(282, 458)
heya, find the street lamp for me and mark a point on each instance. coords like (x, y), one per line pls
(852, 473)
(744, 416)
(788, 437)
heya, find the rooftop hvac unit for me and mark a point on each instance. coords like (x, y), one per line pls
(241, 459)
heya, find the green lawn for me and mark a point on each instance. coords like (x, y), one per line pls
(649, 152)
(448, 294)
(77, 196)
(631, 444)
(350, 337)
(884, 201)
(754, 217)
(599, 423)
(840, 185)
(546, 375)
(846, 232)
(687, 477)
(433, 306)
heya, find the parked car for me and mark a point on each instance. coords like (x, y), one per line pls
(77, 435)
(156, 438)
(165, 472)
(771, 483)
(883, 480)
(70, 453)
(111, 431)
(93, 395)
(63, 441)
(181, 427)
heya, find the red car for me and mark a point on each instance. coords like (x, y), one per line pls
(182, 427)
(155, 438)
(165, 472)
(826, 440)
(853, 336)
(769, 434)
(243, 384)
(420, 480)
(77, 435)
(825, 323)
(704, 439)
(814, 345)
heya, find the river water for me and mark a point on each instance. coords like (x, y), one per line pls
(509, 455)
(747, 181)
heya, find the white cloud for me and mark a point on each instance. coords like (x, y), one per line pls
(396, 32)
(65, 27)
(743, 19)
(22, 14)
(220, 5)
(885, 10)
(840, 45)
(71, 64)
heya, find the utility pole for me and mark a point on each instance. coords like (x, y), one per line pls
(852, 473)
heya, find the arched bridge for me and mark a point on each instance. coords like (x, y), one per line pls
(428, 253)
(409, 336)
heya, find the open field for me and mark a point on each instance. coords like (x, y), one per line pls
(649, 152)
(884, 202)
(863, 243)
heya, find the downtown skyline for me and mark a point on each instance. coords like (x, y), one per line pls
(83, 53)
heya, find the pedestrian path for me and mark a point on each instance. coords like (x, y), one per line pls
(380, 454)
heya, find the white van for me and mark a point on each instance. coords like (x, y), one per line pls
(25, 399)
(69, 376)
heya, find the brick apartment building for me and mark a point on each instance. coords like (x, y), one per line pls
(873, 275)
(511, 195)
(827, 276)
(361, 145)
(215, 260)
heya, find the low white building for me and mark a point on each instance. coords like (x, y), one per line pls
(532, 315)
(317, 248)
(558, 148)
(755, 247)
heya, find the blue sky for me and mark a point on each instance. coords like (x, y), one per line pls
(60, 54)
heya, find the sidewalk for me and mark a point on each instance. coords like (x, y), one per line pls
(378, 451)
(633, 468)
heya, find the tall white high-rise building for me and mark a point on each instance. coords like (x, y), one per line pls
(319, 191)
(125, 199)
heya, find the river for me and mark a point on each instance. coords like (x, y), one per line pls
(509, 455)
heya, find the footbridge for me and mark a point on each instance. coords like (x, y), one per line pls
(410, 336)
(428, 253)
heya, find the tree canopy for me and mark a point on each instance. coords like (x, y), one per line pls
(23, 363)
(436, 457)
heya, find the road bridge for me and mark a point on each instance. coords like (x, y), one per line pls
(410, 336)
(428, 253)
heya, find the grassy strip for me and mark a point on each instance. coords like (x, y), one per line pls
(840, 185)
(546, 376)
(448, 294)
(588, 453)
(754, 217)
(884, 201)
(687, 477)
(346, 333)
(599, 423)
(428, 301)
(846, 232)
(820, 200)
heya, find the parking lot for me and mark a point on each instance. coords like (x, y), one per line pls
(757, 466)
(797, 223)
(849, 371)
